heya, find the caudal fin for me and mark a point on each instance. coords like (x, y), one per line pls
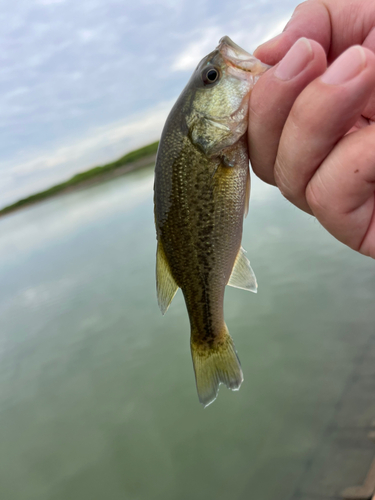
(214, 366)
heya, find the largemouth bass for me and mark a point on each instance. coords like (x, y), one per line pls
(201, 194)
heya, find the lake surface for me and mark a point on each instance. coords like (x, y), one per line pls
(97, 391)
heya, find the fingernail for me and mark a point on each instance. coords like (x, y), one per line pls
(346, 67)
(295, 60)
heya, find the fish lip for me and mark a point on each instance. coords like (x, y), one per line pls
(236, 57)
(232, 50)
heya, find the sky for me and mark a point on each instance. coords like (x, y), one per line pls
(82, 83)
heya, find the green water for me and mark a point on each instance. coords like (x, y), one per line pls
(97, 392)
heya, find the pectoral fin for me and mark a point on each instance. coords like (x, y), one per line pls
(166, 286)
(242, 275)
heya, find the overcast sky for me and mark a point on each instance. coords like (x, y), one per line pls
(83, 82)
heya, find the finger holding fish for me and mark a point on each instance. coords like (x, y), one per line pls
(273, 98)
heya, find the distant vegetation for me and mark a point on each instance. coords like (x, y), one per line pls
(94, 173)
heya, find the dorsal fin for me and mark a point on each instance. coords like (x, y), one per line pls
(166, 287)
(242, 275)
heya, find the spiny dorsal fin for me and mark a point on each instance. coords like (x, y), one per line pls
(242, 275)
(166, 286)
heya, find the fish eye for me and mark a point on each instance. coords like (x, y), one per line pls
(210, 75)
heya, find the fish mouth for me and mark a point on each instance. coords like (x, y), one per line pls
(236, 57)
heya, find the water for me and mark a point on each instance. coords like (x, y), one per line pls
(97, 392)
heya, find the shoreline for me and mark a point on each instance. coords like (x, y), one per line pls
(81, 182)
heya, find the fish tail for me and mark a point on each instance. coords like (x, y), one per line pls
(214, 365)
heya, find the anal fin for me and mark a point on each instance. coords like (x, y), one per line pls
(166, 287)
(242, 275)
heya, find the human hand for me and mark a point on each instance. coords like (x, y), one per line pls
(311, 129)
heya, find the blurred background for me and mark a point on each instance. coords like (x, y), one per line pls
(97, 391)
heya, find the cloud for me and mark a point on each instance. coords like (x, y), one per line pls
(83, 82)
(134, 132)
(196, 50)
(49, 2)
(98, 145)
(276, 29)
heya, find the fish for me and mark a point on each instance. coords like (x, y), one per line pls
(201, 195)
